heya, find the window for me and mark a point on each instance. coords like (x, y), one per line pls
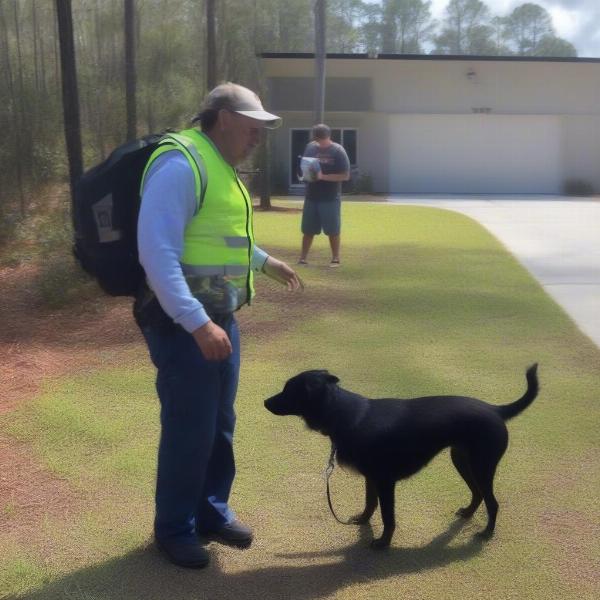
(347, 138)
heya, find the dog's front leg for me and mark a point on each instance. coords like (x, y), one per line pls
(370, 503)
(385, 491)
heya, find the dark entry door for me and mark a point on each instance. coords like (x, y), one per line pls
(300, 137)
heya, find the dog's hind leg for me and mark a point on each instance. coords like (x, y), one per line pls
(370, 503)
(385, 491)
(484, 475)
(461, 462)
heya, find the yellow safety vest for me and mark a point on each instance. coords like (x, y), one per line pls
(219, 239)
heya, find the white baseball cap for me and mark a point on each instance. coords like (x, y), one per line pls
(241, 100)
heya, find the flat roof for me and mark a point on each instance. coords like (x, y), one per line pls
(441, 57)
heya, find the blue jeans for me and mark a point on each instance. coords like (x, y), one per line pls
(195, 456)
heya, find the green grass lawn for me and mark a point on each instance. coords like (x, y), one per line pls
(426, 302)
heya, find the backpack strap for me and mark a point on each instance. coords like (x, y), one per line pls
(174, 141)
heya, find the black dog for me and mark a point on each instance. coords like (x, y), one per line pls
(388, 439)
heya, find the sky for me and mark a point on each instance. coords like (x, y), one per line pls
(577, 21)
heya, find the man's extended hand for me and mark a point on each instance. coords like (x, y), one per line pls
(284, 274)
(213, 341)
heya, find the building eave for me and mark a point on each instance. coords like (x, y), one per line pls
(430, 57)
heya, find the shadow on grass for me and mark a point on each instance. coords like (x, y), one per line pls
(146, 574)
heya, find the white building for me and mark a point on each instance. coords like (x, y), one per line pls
(445, 124)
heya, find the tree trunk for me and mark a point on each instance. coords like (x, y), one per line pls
(320, 27)
(56, 52)
(20, 121)
(69, 90)
(150, 114)
(223, 62)
(115, 69)
(265, 175)
(93, 100)
(36, 41)
(42, 62)
(6, 54)
(130, 69)
(389, 31)
(12, 140)
(211, 46)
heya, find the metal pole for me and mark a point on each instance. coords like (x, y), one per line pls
(320, 54)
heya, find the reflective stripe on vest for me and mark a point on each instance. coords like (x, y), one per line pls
(211, 270)
(173, 141)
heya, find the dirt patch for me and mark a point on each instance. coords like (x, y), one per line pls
(28, 493)
(37, 343)
(570, 532)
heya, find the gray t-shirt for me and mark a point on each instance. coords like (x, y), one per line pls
(333, 160)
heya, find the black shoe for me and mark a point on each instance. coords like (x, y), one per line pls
(184, 552)
(233, 534)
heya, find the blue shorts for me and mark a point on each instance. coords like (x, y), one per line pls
(322, 215)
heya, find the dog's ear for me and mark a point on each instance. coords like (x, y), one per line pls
(316, 404)
(320, 377)
(331, 378)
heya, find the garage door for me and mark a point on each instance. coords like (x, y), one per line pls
(475, 154)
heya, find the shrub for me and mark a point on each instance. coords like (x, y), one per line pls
(61, 282)
(279, 179)
(60, 279)
(578, 187)
(359, 183)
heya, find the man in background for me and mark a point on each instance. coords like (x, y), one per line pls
(322, 202)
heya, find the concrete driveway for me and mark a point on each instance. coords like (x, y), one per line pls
(557, 239)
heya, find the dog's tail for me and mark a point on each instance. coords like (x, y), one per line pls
(508, 411)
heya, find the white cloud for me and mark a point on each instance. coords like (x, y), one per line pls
(566, 22)
(497, 7)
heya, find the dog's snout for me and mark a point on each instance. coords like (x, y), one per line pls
(274, 405)
(269, 403)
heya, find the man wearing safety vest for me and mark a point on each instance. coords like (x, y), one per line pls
(196, 244)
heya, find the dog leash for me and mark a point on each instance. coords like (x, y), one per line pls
(328, 472)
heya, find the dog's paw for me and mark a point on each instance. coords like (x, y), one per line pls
(380, 544)
(359, 519)
(485, 535)
(465, 513)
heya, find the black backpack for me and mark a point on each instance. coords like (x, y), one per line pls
(106, 202)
